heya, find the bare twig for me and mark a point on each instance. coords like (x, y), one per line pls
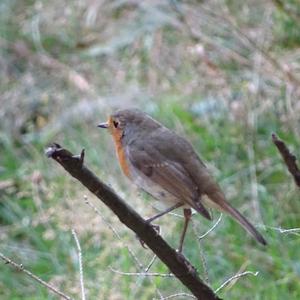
(20, 267)
(80, 264)
(150, 263)
(142, 274)
(202, 257)
(289, 158)
(295, 231)
(211, 229)
(291, 230)
(176, 262)
(178, 295)
(201, 253)
(237, 276)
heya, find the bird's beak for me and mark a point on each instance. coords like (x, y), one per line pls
(103, 125)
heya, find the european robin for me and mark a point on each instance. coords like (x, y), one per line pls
(166, 166)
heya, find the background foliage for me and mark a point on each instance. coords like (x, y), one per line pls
(225, 74)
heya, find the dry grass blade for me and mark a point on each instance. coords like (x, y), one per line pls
(20, 268)
(185, 295)
(142, 274)
(234, 278)
(80, 263)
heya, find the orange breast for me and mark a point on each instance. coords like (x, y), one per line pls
(121, 154)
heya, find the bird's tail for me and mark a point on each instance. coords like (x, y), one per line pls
(218, 199)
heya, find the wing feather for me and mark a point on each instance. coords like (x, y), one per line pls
(170, 175)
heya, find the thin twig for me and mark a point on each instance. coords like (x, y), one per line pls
(289, 158)
(80, 264)
(142, 274)
(20, 267)
(211, 229)
(150, 263)
(295, 231)
(178, 295)
(292, 230)
(202, 256)
(237, 276)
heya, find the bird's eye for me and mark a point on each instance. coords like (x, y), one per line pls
(116, 124)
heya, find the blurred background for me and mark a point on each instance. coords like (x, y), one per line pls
(223, 73)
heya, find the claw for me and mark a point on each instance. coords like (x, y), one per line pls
(143, 244)
(156, 228)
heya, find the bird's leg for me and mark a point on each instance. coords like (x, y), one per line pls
(187, 217)
(156, 227)
(164, 212)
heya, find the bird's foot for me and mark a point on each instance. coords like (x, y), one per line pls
(156, 228)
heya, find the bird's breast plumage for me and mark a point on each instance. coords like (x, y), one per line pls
(120, 150)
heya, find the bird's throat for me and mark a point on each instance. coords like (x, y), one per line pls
(121, 155)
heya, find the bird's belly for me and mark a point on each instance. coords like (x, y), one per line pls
(152, 188)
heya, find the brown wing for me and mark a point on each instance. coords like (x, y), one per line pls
(168, 174)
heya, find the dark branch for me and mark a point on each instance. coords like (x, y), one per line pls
(176, 262)
(289, 158)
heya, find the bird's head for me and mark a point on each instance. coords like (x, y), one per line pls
(127, 121)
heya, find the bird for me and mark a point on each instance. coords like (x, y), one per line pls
(166, 166)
